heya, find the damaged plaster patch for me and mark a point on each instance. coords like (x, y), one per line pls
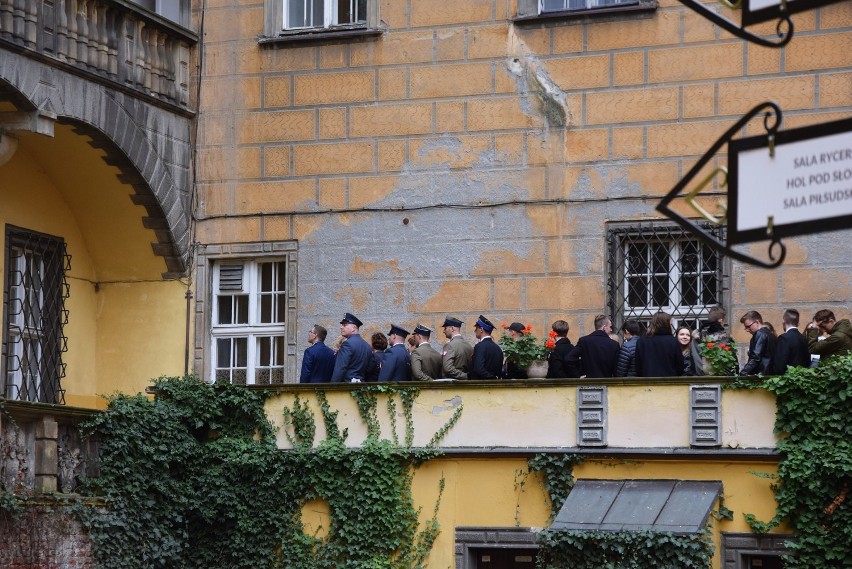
(597, 182)
(541, 94)
(451, 404)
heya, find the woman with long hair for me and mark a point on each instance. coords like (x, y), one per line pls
(658, 354)
(692, 362)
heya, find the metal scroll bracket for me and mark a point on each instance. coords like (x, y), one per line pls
(784, 27)
(771, 122)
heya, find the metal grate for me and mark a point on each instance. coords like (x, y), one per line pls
(34, 307)
(231, 277)
(660, 267)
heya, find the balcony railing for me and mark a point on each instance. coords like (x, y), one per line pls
(108, 40)
(41, 450)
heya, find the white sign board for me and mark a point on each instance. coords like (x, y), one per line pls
(805, 187)
(755, 11)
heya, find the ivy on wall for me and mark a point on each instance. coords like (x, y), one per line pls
(815, 471)
(195, 479)
(557, 472)
(623, 550)
(11, 486)
(561, 549)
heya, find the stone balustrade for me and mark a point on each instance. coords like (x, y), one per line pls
(41, 450)
(108, 40)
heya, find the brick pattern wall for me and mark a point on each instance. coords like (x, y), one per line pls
(44, 537)
(535, 134)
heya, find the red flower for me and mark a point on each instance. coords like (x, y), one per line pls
(552, 334)
(710, 344)
(550, 344)
(528, 329)
(727, 348)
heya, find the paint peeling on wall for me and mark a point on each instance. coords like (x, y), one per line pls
(542, 94)
(451, 405)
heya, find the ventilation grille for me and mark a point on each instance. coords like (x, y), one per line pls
(231, 277)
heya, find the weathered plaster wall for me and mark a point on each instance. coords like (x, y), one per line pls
(522, 416)
(461, 163)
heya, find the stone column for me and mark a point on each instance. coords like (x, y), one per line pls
(46, 461)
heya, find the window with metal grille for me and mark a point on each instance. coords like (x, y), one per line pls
(34, 310)
(249, 321)
(654, 268)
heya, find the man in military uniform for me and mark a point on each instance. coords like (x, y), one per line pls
(354, 356)
(425, 360)
(396, 365)
(487, 354)
(457, 353)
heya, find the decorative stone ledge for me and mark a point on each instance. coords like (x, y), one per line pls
(106, 40)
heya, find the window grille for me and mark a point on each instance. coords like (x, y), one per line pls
(655, 268)
(249, 322)
(35, 314)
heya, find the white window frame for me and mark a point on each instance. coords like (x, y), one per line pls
(276, 18)
(532, 9)
(330, 14)
(579, 5)
(674, 239)
(254, 330)
(674, 274)
(208, 259)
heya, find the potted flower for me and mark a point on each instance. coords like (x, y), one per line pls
(720, 357)
(528, 352)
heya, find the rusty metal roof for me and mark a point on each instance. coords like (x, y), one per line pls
(677, 506)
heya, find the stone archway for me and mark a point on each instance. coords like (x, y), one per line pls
(148, 142)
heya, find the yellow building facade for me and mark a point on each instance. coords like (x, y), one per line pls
(95, 123)
(493, 504)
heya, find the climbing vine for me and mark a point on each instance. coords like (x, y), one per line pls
(606, 549)
(815, 471)
(194, 479)
(557, 471)
(10, 503)
(623, 550)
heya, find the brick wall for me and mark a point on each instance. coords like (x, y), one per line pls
(509, 147)
(44, 537)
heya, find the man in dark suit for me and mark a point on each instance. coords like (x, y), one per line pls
(557, 367)
(791, 348)
(318, 359)
(595, 355)
(425, 360)
(396, 365)
(487, 355)
(354, 356)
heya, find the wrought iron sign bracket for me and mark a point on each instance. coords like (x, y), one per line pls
(771, 122)
(784, 27)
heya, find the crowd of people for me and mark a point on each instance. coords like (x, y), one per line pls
(658, 351)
